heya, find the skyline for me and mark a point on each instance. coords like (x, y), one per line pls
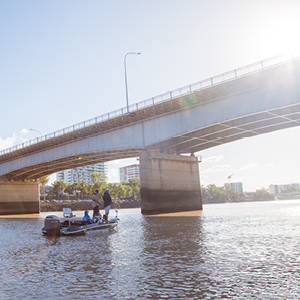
(62, 63)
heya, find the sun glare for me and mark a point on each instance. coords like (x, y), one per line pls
(281, 33)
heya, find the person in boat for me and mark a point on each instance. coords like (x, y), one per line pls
(106, 202)
(95, 204)
(86, 218)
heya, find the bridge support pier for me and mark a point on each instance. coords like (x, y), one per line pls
(169, 183)
(19, 197)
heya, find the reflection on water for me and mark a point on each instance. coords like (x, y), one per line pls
(172, 255)
(233, 251)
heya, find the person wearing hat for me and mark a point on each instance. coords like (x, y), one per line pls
(86, 218)
(106, 202)
(95, 204)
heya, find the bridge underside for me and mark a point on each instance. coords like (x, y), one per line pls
(191, 142)
(231, 130)
(74, 161)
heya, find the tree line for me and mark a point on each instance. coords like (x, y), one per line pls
(84, 190)
(213, 194)
(129, 189)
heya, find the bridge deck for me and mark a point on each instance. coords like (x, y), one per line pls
(187, 142)
(203, 96)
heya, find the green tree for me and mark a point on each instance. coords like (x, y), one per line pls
(132, 187)
(70, 188)
(98, 177)
(230, 194)
(135, 185)
(242, 196)
(128, 190)
(82, 187)
(43, 182)
(90, 189)
(204, 194)
(224, 195)
(99, 181)
(58, 186)
(116, 190)
(214, 195)
(290, 189)
(262, 194)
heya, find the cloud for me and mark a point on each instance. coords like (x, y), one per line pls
(213, 159)
(15, 139)
(270, 165)
(115, 165)
(113, 175)
(123, 162)
(217, 168)
(7, 142)
(24, 131)
(249, 167)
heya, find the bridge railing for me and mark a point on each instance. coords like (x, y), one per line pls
(198, 86)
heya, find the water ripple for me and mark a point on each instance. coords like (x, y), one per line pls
(233, 251)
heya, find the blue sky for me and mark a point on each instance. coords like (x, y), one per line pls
(62, 62)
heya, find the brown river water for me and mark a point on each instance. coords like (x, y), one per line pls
(226, 251)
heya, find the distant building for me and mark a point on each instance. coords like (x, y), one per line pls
(128, 172)
(82, 173)
(279, 188)
(48, 190)
(237, 186)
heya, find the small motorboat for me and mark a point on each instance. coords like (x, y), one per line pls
(53, 225)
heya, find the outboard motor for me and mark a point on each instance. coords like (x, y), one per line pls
(51, 225)
(115, 219)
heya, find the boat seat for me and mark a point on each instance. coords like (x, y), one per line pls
(67, 212)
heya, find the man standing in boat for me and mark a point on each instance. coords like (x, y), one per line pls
(95, 204)
(107, 201)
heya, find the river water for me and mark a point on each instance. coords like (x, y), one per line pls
(227, 251)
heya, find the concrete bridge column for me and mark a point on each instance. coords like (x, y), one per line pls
(169, 183)
(18, 197)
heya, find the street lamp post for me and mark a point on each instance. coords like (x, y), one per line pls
(137, 53)
(37, 131)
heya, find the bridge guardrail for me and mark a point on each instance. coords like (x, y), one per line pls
(198, 86)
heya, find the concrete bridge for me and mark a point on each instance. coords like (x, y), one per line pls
(259, 98)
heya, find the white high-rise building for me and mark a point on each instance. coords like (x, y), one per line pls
(237, 186)
(128, 172)
(82, 173)
(279, 188)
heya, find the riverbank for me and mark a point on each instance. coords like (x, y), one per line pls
(75, 205)
(288, 197)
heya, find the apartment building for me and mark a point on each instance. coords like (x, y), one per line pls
(237, 186)
(82, 173)
(279, 188)
(131, 171)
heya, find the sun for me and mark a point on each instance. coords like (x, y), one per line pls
(281, 30)
(289, 37)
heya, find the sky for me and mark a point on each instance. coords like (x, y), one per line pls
(62, 62)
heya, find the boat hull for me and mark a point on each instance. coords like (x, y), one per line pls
(54, 227)
(77, 230)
